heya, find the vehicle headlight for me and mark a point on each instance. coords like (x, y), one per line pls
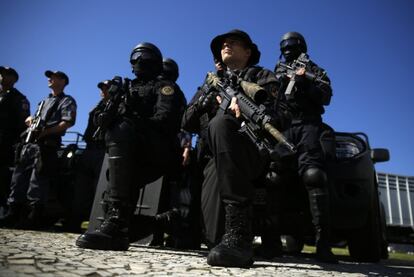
(346, 149)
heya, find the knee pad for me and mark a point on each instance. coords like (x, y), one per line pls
(314, 178)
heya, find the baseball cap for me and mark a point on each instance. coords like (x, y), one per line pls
(60, 74)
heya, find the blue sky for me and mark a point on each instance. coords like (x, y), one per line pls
(365, 46)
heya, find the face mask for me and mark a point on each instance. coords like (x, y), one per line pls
(291, 53)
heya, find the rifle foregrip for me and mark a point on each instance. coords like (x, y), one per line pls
(279, 136)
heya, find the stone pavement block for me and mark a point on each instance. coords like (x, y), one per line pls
(102, 273)
(84, 272)
(44, 275)
(97, 264)
(21, 261)
(138, 268)
(9, 251)
(66, 274)
(119, 271)
(25, 269)
(49, 269)
(21, 256)
(119, 265)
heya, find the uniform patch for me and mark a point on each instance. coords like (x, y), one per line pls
(167, 90)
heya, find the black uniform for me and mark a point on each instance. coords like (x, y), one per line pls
(37, 167)
(304, 104)
(14, 109)
(305, 109)
(238, 163)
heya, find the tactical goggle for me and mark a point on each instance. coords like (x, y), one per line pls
(289, 42)
(140, 55)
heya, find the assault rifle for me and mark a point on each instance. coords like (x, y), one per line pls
(257, 122)
(117, 93)
(301, 62)
(35, 126)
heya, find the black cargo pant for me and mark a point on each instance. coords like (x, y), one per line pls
(238, 162)
(306, 135)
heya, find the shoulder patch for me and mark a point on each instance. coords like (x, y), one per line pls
(167, 90)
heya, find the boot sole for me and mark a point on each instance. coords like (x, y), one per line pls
(225, 258)
(115, 245)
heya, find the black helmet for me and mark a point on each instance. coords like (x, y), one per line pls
(146, 60)
(217, 43)
(5, 70)
(292, 44)
(170, 69)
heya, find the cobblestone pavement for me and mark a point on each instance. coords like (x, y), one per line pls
(28, 253)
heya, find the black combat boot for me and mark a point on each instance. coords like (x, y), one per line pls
(163, 224)
(113, 232)
(12, 216)
(235, 248)
(319, 204)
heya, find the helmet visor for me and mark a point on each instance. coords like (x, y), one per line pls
(289, 42)
(140, 55)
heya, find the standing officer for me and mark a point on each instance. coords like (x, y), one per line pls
(36, 168)
(89, 167)
(238, 162)
(303, 99)
(14, 109)
(141, 142)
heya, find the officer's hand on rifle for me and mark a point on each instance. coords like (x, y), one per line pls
(28, 121)
(300, 71)
(234, 107)
(207, 101)
(115, 86)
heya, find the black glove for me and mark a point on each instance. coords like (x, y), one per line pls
(115, 85)
(207, 100)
